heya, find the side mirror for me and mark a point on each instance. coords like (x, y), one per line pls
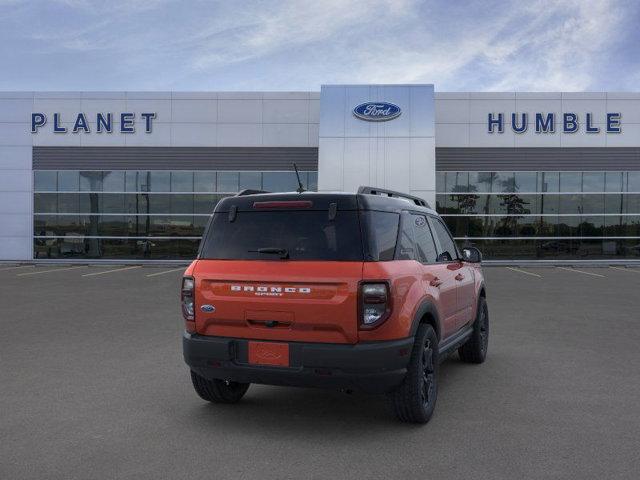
(471, 255)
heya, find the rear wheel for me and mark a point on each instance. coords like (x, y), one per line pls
(218, 391)
(415, 399)
(475, 349)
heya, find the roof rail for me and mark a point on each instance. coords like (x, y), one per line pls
(390, 193)
(249, 191)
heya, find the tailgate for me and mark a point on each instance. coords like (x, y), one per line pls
(298, 301)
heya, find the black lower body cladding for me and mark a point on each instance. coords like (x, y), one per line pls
(372, 367)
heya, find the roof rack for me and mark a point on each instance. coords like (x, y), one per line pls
(390, 193)
(249, 191)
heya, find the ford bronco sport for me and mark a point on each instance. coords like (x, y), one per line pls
(363, 291)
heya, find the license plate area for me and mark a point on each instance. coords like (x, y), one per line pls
(269, 353)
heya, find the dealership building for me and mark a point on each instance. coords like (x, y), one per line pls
(136, 175)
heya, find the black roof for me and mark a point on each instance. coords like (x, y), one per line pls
(321, 201)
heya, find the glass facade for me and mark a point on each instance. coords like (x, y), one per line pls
(136, 214)
(543, 215)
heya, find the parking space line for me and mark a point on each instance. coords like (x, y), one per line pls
(111, 271)
(523, 271)
(166, 271)
(582, 271)
(15, 268)
(626, 269)
(49, 271)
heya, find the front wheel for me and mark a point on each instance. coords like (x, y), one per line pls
(218, 391)
(475, 349)
(415, 399)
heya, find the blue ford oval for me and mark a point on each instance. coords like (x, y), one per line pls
(377, 111)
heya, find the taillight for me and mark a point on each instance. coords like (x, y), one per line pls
(186, 297)
(375, 304)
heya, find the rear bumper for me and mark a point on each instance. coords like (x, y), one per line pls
(373, 367)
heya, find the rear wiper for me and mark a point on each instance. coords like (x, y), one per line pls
(283, 252)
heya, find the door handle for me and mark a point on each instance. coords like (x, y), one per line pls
(459, 277)
(436, 282)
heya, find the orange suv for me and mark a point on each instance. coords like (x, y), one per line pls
(363, 291)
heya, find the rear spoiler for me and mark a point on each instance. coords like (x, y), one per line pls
(390, 193)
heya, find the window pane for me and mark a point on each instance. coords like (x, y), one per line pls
(68, 203)
(592, 203)
(158, 203)
(113, 203)
(613, 182)
(181, 203)
(593, 182)
(44, 180)
(252, 180)
(504, 182)
(181, 181)
(382, 233)
(570, 181)
(279, 181)
(480, 181)
(45, 203)
(613, 203)
(91, 181)
(447, 246)
(633, 182)
(159, 182)
(227, 182)
(136, 181)
(549, 204)
(526, 182)
(68, 181)
(313, 181)
(457, 182)
(204, 181)
(549, 182)
(440, 182)
(113, 181)
(527, 226)
(424, 240)
(571, 203)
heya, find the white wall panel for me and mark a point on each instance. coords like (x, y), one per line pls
(452, 134)
(194, 111)
(285, 111)
(15, 202)
(15, 158)
(239, 135)
(239, 111)
(452, 111)
(478, 137)
(16, 248)
(15, 109)
(103, 139)
(162, 109)
(193, 134)
(15, 225)
(285, 135)
(330, 162)
(161, 136)
(15, 180)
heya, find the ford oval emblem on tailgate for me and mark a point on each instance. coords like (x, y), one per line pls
(377, 111)
(208, 308)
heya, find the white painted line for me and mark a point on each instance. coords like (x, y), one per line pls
(15, 268)
(111, 271)
(166, 271)
(634, 270)
(581, 271)
(49, 271)
(522, 271)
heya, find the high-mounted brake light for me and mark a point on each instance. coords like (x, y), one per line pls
(375, 304)
(187, 298)
(284, 204)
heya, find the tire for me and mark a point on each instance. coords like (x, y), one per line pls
(475, 349)
(415, 399)
(218, 391)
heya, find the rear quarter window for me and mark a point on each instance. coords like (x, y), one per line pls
(381, 234)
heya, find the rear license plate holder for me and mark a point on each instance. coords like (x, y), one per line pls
(269, 353)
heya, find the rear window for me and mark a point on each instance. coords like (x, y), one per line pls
(303, 234)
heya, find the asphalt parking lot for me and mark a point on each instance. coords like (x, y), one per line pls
(92, 385)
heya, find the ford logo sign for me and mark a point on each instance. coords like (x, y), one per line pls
(377, 111)
(208, 308)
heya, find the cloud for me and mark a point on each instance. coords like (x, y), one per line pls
(299, 44)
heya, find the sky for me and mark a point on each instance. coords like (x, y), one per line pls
(526, 45)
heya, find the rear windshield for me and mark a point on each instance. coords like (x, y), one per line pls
(296, 235)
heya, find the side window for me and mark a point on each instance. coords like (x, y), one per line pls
(406, 244)
(447, 251)
(424, 241)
